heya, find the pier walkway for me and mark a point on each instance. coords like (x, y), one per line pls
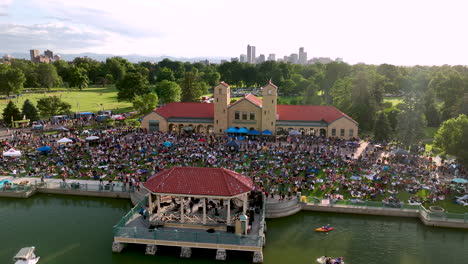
(24, 187)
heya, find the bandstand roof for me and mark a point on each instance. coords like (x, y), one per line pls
(199, 182)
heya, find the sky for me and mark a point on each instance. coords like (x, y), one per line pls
(400, 32)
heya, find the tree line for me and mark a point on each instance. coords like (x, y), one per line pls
(431, 94)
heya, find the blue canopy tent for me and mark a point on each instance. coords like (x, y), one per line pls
(242, 130)
(241, 138)
(267, 132)
(232, 130)
(254, 132)
(167, 144)
(44, 149)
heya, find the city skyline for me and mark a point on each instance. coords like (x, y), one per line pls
(395, 32)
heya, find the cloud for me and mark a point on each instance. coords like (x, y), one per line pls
(15, 37)
(4, 5)
(124, 22)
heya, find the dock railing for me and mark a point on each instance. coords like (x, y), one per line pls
(120, 230)
(425, 213)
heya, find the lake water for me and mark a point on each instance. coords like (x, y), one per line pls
(70, 229)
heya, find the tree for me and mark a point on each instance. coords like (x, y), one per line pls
(30, 111)
(168, 91)
(52, 105)
(449, 86)
(47, 75)
(11, 113)
(11, 79)
(117, 66)
(131, 85)
(62, 68)
(78, 78)
(382, 129)
(411, 121)
(192, 89)
(145, 103)
(452, 138)
(165, 74)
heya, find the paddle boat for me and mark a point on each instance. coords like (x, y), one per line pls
(26, 256)
(329, 260)
(324, 228)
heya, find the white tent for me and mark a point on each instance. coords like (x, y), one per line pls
(65, 140)
(92, 138)
(295, 133)
(12, 153)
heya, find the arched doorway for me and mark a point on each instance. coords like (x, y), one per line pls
(210, 129)
(279, 130)
(172, 128)
(181, 128)
(200, 129)
(323, 132)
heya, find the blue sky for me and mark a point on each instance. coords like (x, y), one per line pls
(401, 32)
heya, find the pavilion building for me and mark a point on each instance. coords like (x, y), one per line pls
(192, 207)
(251, 113)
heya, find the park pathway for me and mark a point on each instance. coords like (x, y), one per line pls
(363, 145)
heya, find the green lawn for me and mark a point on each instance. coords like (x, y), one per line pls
(394, 100)
(90, 99)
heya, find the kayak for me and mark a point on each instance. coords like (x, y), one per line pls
(321, 229)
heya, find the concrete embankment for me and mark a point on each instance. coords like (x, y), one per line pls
(277, 209)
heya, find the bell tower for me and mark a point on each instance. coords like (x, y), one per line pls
(222, 98)
(270, 95)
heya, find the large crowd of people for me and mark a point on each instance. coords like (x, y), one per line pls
(279, 166)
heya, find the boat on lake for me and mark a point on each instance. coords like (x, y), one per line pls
(26, 256)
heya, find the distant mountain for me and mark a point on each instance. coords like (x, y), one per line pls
(131, 57)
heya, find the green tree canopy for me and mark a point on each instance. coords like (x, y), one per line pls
(145, 103)
(168, 91)
(165, 74)
(47, 75)
(452, 138)
(78, 77)
(382, 129)
(30, 111)
(411, 122)
(11, 113)
(52, 105)
(131, 85)
(11, 79)
(192, 88)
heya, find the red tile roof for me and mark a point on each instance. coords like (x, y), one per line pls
(251, 98)
(225, 84)
(193, 110)
(199, 181)
(309, 113)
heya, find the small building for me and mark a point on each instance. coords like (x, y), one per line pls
(190, 207)
(252, 113)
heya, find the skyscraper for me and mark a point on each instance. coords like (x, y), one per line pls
(302, 56)
(293, 58)
(243, 58)
(271, 57)
(34, 54)
(49, 54)
(261, 58)
(249, 54)
(253, 55)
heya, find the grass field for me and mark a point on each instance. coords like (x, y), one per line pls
(90, 99)
(394, 100)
